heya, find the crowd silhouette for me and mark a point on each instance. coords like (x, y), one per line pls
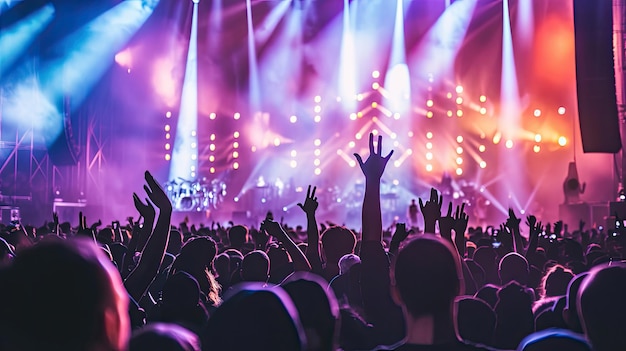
(151, 285)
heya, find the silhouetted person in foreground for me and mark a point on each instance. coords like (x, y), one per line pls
(65, 296)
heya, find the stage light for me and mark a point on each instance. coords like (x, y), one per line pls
(212, 115)
(194, 157)
(212, 170)
(167, 127)
(397, 164)
(235, 154)
(212, 137)
(497, 138)
(293, 153)
(429, 167)
(167, 136)
(358, 136)
(459, 161)
(317, 119)
(253, 149)
(193, 168)
(537, 112)
(481, 148)
(317, 109)
(211, 158)
(168, 114)
(562, 141)
(459, 100)
(429, 135)
(317, 142)
(293, 119)
(509, 144)
(449, 95)
(375, 86)
(410, 134)
(375, 132)
(536, 148)
(192, 174)
(237, 115)
(359, 97)
(429, 103)
(236, 145)
(276, 142)
(374, 104)
(429, 156)
(212, 147)
(195, 1)
(459, 113)
(193, 145)
(459, 150)
(351, 144)
(449, 113)
(316, 162)
(168, 157)
(318, 171)
(482, 98)
(236, 134)
(375, 74)
(429, 114)
(317, 152)
(352, 163)
(459, 171)
(483, 164)
(359, 114)
(193, 133)
(483, 111)
(538, 138)
(235, 165)
(459, 139)
(429, 145)
(293, 164)
(561, 110)
(317, 99)
(459, 89)
(396, 115)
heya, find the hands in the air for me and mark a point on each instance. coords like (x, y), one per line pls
(310, 203)
(374, 166)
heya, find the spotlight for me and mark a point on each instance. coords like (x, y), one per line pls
(195, 1)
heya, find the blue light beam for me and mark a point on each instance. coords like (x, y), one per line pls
(17, 38)
(185, 153)
(397, 79)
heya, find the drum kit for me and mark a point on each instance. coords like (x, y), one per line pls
(198, 195)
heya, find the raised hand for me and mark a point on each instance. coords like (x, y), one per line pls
(446, 224)
(431, 210)
(400, 233)
(145, 210)
(156, 193)
(310, 203)
(460, 221)
(531, 221)
(273, 228)
(512, 222)
(374, 166)
(558, 228)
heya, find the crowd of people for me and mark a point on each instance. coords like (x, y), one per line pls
(152, 285)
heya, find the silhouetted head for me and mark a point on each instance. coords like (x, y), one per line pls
(513, 267)
(347, 261)
(514, 315)
(571, 315)
(426, 277)
(476, 320)
(336, 242)
(222, 265)
(105, 236)
(199, 251)
(182, 303)
(164, 337)
(72, 293)
(555, 281)
(489, 294)
(602, 307)
(237, 235)
(255, 267)
(317, 309)
(255, 318)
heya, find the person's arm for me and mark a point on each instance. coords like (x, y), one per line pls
(460, 226)
(534, 229)
(446, 224)
(312, 232)
(399, 235)
(152, 255)
(378, 305)
(300, 263)
(140, 234)
(431, 210)
(513, 224)
(373, 169)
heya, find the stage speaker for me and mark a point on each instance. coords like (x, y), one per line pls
(595, 76)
